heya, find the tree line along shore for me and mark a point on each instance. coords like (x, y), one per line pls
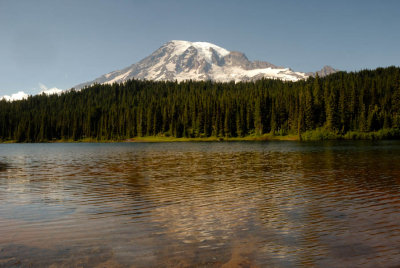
(355, 105)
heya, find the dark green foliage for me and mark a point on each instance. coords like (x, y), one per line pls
(335, 106)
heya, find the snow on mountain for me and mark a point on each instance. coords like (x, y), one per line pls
(17, 96)
(204, 49)
(49, 91)
(184, 60)
(22, 95)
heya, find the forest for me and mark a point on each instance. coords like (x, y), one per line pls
(354, 105)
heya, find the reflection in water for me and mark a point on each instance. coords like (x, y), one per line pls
(3, 166)
(200, 204)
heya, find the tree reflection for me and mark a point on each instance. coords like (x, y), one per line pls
(3, 166)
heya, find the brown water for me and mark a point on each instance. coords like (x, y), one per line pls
(236, 204)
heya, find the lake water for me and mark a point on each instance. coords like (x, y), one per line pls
(229, 204)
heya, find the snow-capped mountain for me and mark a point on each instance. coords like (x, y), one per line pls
(184, 60)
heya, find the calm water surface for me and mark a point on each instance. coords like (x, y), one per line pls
(247, 204)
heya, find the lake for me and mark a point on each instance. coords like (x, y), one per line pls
(204, 204)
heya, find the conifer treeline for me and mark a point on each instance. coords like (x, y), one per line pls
(342, 102)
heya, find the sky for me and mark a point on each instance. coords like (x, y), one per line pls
(47, 44)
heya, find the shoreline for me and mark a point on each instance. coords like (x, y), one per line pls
(155, 139)
(314, 135)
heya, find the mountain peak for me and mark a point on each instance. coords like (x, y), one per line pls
(326, 70)
(204, 49)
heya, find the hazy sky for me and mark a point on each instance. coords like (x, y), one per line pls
(63, 43)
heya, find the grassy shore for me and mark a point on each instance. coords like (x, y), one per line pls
(322, 134)
(265, 137)
(313, 135)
